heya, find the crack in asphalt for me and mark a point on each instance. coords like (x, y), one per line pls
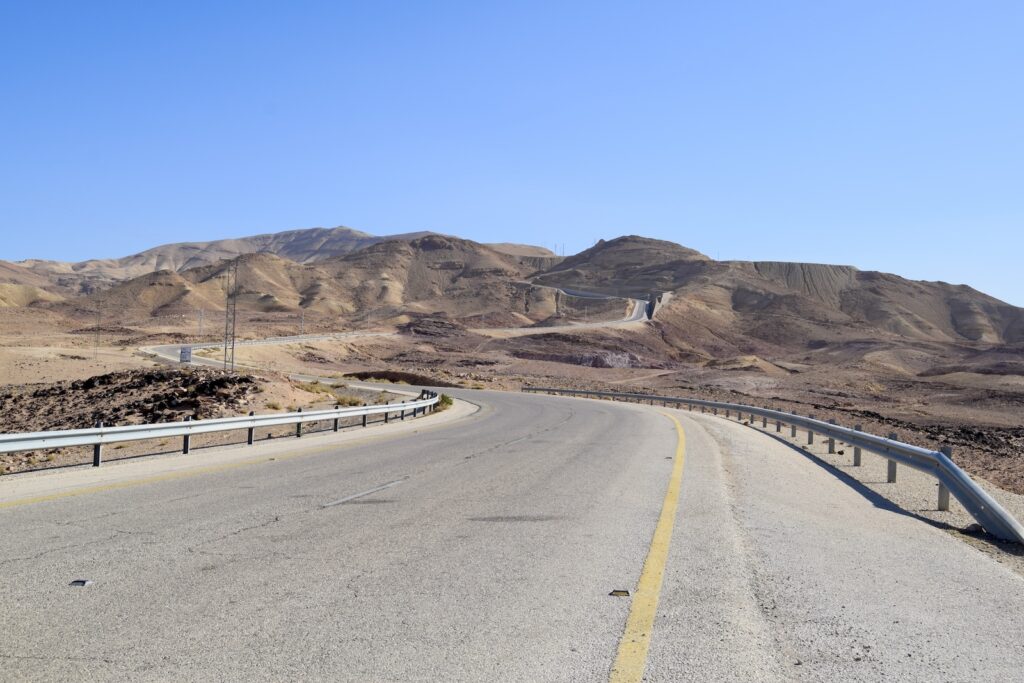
(236, 532)
(529, 435)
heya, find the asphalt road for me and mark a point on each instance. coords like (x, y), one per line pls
(485, 549)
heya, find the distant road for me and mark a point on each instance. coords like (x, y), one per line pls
(637, 314)
(485, 549)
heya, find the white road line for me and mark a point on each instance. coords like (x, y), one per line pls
(364, 493)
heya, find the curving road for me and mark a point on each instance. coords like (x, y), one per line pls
(485, 548)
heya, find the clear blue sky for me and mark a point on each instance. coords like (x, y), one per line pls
(887, 135)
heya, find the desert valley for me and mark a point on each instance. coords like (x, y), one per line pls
(938, 364)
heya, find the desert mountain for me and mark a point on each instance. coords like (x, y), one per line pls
(715, 309)
(384, 281)
(19, 286)
(15, 274)
(627, 266)
(302, 246)
(747, 307)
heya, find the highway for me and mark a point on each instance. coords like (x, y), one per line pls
(484, 547)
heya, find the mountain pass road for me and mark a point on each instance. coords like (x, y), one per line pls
(538, 539)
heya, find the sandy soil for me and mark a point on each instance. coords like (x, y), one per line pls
(977, 413)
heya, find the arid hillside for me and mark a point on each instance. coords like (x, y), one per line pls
(301, 246)
(383, 283)
(730, 307)
(935, 362)
(627, 266)
(19, 286)
(711, 309)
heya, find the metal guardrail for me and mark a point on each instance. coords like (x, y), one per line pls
(99, 436)
(985, 510)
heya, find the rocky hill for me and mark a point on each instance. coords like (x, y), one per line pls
(386, 281)
(715, 309)
(772, 306)
(301, 246)
(19, 286)
(627, 266)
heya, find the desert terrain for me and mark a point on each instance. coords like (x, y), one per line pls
(937, 364)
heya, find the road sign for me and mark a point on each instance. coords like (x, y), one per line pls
(186, 354)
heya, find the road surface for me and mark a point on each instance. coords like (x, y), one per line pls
(485, 548)
(637, 314)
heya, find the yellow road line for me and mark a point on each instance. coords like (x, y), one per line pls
(631, 659)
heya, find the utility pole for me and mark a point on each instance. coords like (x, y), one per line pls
(234, 314)
(230, 314)
(227, 314)
(96, 341)
(201, 313)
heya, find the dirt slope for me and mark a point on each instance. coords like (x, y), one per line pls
(301, 246)
(743, 306)
(627, 266)
(386, 282)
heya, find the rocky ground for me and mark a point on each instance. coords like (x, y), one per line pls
(154, 395)
(974, 406)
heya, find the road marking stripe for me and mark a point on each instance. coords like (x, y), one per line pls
(631, 659)
(388, 485)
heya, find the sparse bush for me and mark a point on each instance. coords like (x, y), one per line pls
(273, 405)
(346, 400)
(314, 387)
(445, 402)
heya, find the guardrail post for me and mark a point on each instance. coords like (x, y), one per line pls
(97, 450)
(778, 426)
(403, 410)
(831, 440)
(714, 411)
(727, 413)
(250, 437)
(298, 426)
(856, 449)
(364, 419)
(764, 422)
(386, 413)
(810, 433)
(792, 428)
(891, 474)
(943, 491)
(336, 407)
(185, 440)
